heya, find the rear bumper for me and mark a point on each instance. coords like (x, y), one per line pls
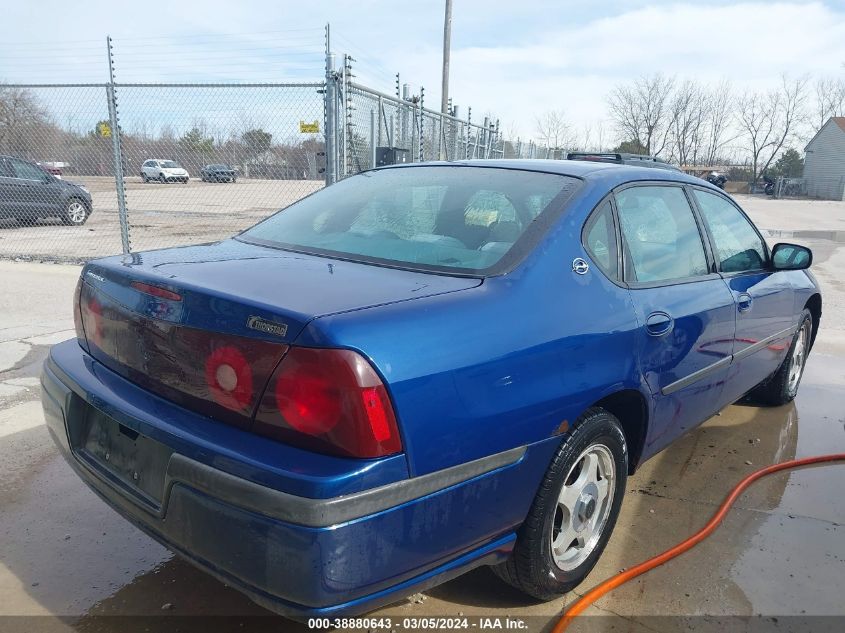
(304, 556)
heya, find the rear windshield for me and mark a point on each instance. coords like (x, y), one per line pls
(471, 220)
(169, 164)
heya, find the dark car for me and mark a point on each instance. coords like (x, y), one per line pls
(218, 173)
(422, 369)
(28, 193)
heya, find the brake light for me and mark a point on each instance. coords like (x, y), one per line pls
(330, 400)
(91, 313)
(156, 291)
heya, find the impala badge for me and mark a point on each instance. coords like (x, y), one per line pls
(268, 327)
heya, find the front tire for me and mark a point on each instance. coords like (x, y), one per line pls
(574, 511)
(782, 386)
(144, 178)
(75, 213)
(162, 179)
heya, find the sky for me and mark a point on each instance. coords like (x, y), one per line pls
(514, 60)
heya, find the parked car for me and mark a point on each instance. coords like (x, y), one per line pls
(422, 369)
(218, 173)
(28, 193)
(163, 171)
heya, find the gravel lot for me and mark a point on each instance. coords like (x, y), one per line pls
(160, 216)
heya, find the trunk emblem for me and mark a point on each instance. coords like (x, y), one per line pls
(268, 327)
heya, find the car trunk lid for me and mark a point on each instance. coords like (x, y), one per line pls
(205, 326)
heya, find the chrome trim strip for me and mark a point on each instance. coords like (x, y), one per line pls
(756, 347)
(324, 512)
(695, 376)
(275, 503)
(727, 360)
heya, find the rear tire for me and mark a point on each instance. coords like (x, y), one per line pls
(574, 511)
(162, 179)
(144, 178)
(75, 213)
(782, 386)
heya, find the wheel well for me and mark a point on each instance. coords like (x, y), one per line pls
(629, 407)
(814, 305)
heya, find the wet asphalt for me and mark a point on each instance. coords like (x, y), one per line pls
(68, 558)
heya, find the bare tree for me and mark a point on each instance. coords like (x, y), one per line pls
(553, 130)
(768, 120)
(641, 111)
(830, 99)
(720, 104)
(688, 113)
(22, 119)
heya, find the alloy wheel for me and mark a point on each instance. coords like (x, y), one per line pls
(583, 507)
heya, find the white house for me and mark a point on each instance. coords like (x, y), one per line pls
(824, 163)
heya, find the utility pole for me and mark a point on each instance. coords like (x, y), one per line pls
(447, 43)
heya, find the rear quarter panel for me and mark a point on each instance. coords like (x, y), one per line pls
(505, 364)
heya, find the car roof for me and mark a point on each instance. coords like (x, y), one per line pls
(609, 174)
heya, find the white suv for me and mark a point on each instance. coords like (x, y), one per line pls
(163, 171)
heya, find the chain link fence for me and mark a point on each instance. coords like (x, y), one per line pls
(48, 131)
(203, 162)
(380, 129)
(90, 170)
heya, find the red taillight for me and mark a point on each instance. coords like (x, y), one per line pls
(91, 313)
(156, 291)
(330, 400)
(229, 378)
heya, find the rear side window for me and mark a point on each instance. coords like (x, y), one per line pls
(600, 240)
(738, 245)
(660, 234)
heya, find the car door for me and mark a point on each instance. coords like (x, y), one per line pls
(763, 297)
(684, 309)
(35, 194)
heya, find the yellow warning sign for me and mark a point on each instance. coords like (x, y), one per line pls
(309, 128)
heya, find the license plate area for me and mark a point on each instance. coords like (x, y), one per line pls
(130, 460)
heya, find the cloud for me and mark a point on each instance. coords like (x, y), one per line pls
(573, 68)
(516, 60)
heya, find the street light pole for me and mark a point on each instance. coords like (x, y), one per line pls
(447, 42)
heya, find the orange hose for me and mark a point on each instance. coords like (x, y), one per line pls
(619, 579)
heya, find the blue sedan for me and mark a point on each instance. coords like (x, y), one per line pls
(420, 370)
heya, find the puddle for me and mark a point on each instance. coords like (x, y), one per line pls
(833, 236)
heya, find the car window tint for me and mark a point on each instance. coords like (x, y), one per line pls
(486, 207)
(27, 170)
(447, 218)
(738, 246)
(379, 216)
(600, 240)
(660, 233)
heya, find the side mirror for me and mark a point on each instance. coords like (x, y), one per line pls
(791, 257)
